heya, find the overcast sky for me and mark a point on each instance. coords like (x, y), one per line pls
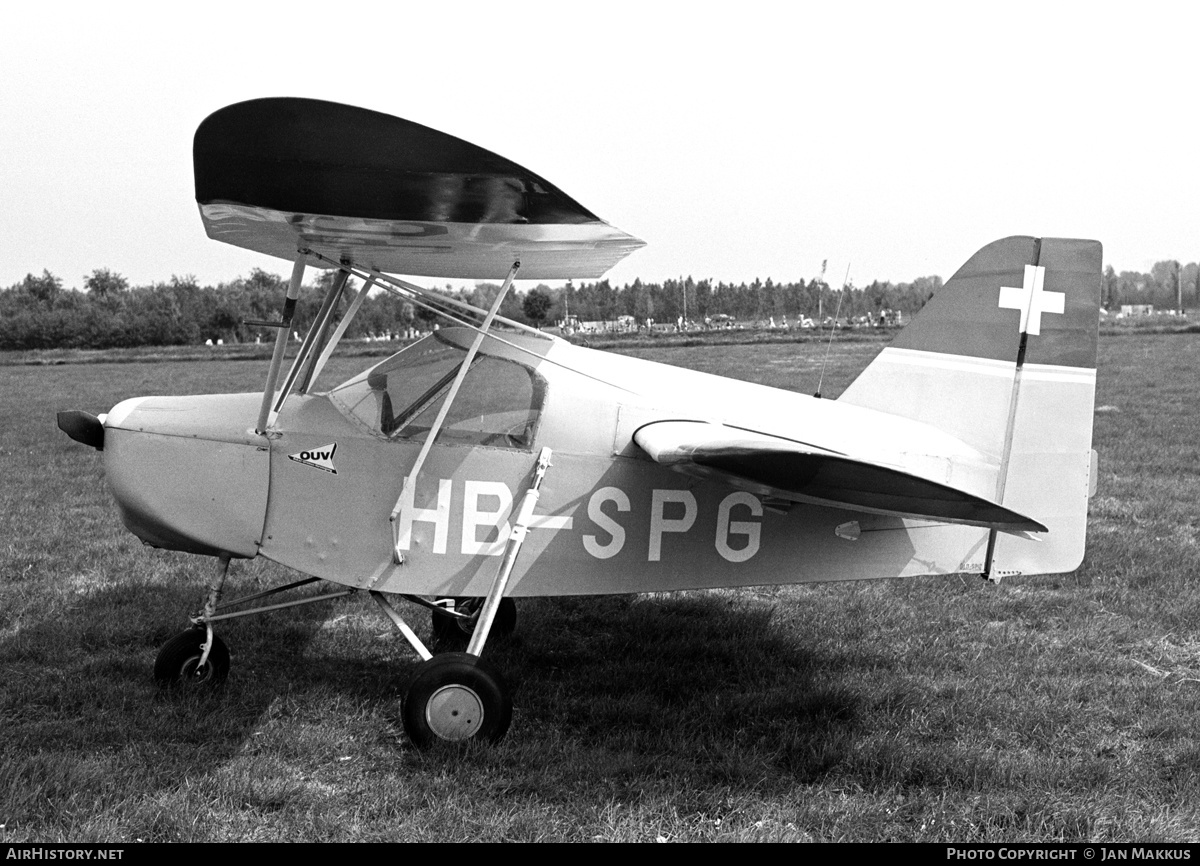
(739, 140)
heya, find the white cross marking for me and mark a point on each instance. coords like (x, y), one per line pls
(1032, 300)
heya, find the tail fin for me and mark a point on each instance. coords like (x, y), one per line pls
(1004, 358)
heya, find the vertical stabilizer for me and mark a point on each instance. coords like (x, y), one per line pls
(1004, 358)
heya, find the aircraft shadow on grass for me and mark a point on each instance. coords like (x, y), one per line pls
(702, 675)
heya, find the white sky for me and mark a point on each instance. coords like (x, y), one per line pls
(739, 140)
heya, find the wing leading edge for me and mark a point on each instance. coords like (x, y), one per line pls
(794, 471)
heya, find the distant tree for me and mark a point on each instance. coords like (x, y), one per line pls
(1160, 284)
(484, 295)
(265, 281)
(641, 302)
(536, 306)
(606, 300)
(1112, 295)
(43, 289)
(702, 296)
(103, 283)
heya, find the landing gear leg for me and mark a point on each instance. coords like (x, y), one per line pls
(458, 697)
(196, 658)
(192, 660)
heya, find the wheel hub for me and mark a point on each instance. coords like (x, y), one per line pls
(193, 672)
(454, 712)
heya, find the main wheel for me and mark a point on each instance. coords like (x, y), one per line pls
(456, 698)
(452, 633)
(178, 662)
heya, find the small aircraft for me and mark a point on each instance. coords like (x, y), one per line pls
(490, 461)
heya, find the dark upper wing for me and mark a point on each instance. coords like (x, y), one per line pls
(277, 174)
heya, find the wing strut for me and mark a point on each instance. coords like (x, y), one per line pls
(311, 339)
(319, 364)
(281, 338)
(314, 350)
(449, 308)
(515, 539)
(408, 491)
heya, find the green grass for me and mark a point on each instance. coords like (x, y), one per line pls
(1048, 708)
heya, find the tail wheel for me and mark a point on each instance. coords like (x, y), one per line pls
(453, 633)
(456, 698)
(178, 663)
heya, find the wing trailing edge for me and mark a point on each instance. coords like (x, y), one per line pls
(773, 466)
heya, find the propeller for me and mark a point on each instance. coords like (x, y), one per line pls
(82, 427)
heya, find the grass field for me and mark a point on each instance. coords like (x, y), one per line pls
(1048, 708)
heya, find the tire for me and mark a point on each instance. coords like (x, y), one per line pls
(455, 699)
(176, 665)
(453, 634)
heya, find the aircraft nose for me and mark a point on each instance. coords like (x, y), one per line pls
(189, 473)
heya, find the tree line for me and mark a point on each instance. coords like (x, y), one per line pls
(1170, 285)
(40, 312)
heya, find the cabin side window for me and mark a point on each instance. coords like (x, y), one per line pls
(498, 403)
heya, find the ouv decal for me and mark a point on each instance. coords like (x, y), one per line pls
(319, 458)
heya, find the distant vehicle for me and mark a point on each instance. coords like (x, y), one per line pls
(489, 461)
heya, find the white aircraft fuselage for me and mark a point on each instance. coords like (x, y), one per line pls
(315, 494)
